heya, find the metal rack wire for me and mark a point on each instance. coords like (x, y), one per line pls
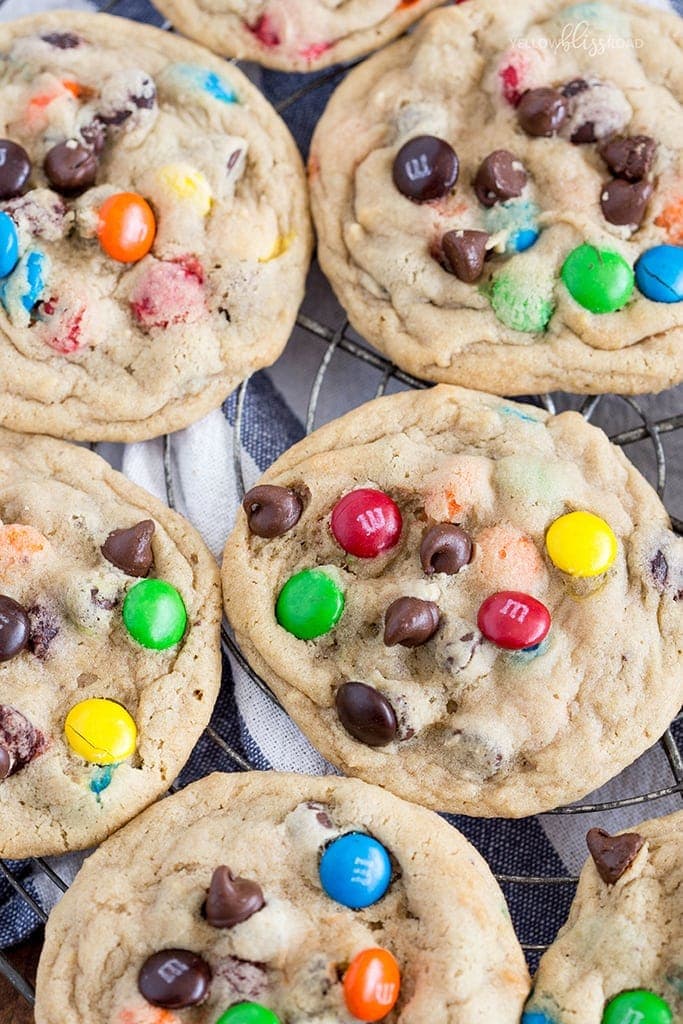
(335, 341)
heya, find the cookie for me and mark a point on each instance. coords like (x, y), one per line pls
(618, 959)
(499, 197)
(303, 35)
(269, 898)
(469, 601)
(109, 646)
(150, 255)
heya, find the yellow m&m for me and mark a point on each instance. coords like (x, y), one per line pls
(187, 183)
(101, 731)
(581, 544)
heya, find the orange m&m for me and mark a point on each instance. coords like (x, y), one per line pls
(126, 227)
(372, 984)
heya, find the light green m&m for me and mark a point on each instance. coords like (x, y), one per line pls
(248, 1013)
(600, 280)
(310, 604)
(154, 614)
(638, 1006)
(523, 307)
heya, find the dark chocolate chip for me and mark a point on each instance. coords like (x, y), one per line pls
(106, 603)
(94, 134)
(20, 740)
(5, 763)
(425, 168)
(174, 979)
(629, 157)
(231, 900)
(584, 134)
(445, 548)
(15, 168)
(574, 87)
(624, 202)
(62, 40)
(71, 167)
(500, 176)
(613, 855)
(44, 627)
(14, 628)
(410, 622)
(465, 253)
(131, 549)
(366, 714)
(660, 569)
(272, 511)
(542, 111)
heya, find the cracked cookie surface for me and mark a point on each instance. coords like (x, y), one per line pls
(520, 611)
(504, 257)
(443, 917)
(64, 645)
(101, 336)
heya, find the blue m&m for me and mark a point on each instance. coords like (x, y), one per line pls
(21, 290)
(659, 273)
(9, 245)
(355, 870)
(208, 81)
(536, 1017)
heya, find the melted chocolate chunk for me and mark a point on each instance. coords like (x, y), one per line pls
(574, 87)
(246, 979)
(624, 202)
(613, 855)
(44, 627)
(231, 900)
(366, 714)
(14, 628)
(501, 176)
(131, 549)
(660, 569)
(19, 739)
(272, 511)
(15, 169)
(629, 157)
(541, 112)
(410, 622)
(465, 253)
(71, 167)
(322, 817)
(62, 40)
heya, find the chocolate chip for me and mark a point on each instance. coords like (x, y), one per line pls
(19, 739)
(322, 817)
(366, 714)
(231, 900)
(465, 252)
(244, 979)
(62, 40)
(131, 549)
(174, 979)
(43, 628)
(14, 628)
(445, 548)
(500, 176)
(584, 134)
(613, 855)
(574, 87)
(94, 135)
(629, 157)
(71, 167)
(660, 569)
(15, 168)
(410, 622)
(425, 168)
(5, 763)
(272, 511)
(624, 202)
(542, 111)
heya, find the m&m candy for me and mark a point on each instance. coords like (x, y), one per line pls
(536, 1017)
(659, 273)
(581, 544)
(101, 731)
(637, 1006)
(513, 620)
(154, 614)
(9, 245)
(372, 984)
(188, 184)
(126, 227)
(248, 1013)
(310, 604)
(366, 522)
(600, 280)
(355, 870)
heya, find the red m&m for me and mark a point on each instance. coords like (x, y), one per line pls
(513, 620)
(366, 522)
(372, 984)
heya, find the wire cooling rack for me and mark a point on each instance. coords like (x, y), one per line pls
(336, 341)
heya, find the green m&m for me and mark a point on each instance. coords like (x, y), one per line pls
(154, 614)
(637, 1006)
(248, 1013)
(600, 280)
(310, 604)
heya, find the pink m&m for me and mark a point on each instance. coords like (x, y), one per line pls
(366, 522)
(513, 620)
